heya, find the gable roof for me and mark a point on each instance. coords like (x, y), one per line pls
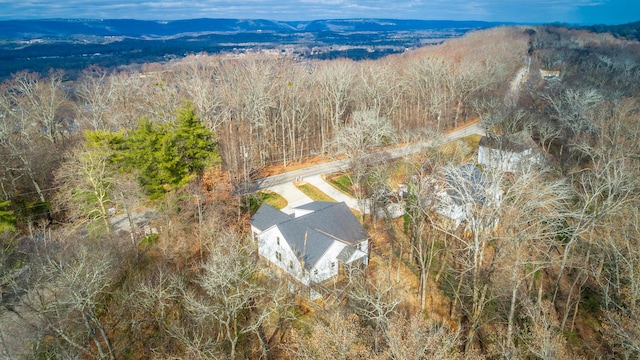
(316, 205)
(337, 221)
(465, 181)
(311, 235)
(307, 244)
(267, 216)
(346, 253)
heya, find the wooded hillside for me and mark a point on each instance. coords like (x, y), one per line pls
(122, 235)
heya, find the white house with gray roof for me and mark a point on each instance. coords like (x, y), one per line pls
(510, 153)
(458, 192)
(312, 244)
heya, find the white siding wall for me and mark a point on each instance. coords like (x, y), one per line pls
(448, 208)
(323, 269)
(507, 160)
(453, 212)
(255, 232)
(268, 247)
(483, 156)
(364, 247)
(300, 212)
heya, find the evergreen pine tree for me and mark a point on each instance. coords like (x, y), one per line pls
(165, 157)
(194, 144)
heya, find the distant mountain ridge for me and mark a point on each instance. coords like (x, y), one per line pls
(629, 31)
(74, 44)
(64, 28)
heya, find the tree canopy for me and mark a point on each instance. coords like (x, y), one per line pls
(6, 217)
(164, 156)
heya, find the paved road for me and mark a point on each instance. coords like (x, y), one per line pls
(339, 165)
(521, 77)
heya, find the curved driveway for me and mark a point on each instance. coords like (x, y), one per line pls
(292, 194)
(325, 187)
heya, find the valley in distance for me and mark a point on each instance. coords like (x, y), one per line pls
(474, 194)
(73, 44)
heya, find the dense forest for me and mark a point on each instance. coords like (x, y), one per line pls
(630, 31)
(551, 271)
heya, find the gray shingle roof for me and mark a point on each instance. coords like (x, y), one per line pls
(468, 182)
(311, 235)
(267, 216)
(308, 244)
(337, 221)
(346, 253)
(316, 205)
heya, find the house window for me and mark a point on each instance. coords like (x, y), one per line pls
(278, 256)
(291, 264)
(333, 264)
(315, 272)
(278, 240)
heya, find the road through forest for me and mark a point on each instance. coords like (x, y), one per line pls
(283, 183)
(340, 165)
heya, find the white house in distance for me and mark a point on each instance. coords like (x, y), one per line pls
(458, 193)
(509, 153)
(312, 244)
(550, 74)
(465, 187)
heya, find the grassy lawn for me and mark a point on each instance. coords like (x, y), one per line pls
(314, 193)
(273, 199)
(463, 147)
(402, 170)
(342, 183)
(472, 140)
(252, 202)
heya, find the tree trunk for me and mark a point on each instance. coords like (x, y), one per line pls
(477, 309)
(512, 311)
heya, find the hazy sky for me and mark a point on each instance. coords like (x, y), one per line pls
(534, 11)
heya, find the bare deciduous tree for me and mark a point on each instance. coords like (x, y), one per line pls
(366, 131)
(417, 338)
(374, 299)
(71, 285)
(41, 100)
(336, 335)
(532, 216)
(85, 184)
(234, 301)
(334, 80)
(543, 338)
(97, 93)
